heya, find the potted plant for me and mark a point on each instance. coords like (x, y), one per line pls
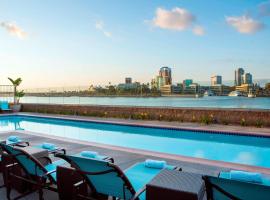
(17, 94)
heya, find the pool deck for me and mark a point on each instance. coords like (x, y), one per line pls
(127, 157)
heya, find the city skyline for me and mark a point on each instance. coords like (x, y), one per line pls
(82, 43)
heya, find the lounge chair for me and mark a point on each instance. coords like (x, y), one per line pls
(106, 179)
(41, 177)
(51, 148)
(15, 140)
(4, 106)
(225, 187)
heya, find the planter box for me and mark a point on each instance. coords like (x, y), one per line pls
(16, 107)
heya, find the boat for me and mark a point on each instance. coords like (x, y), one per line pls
(235, 94)
(208, 93)
(251, 94)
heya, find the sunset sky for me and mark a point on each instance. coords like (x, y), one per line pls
(69, 43)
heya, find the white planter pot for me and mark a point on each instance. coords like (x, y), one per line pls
(16, 107)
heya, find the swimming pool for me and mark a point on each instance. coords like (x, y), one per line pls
(238, 149)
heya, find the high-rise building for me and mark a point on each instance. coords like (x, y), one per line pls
(238, 76)
(187, 82)
(216, 80)
(128, 80)
(166, 74)
(247, 78)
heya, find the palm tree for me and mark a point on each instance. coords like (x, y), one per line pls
(15, 83)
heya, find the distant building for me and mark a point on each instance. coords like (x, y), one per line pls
(164, 78)
(128, 85)
(216, 80)
(157, 82)
(247, 78)
(187, 83)
(193, 88)
(170, 89)
(220, 90)
(128, 80)
(166, 74)
(245, 88)
(238, 74)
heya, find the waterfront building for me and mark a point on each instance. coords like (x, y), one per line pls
(166, 74)
(220, 90)
(170, 89)
(245, 88)
(128, 80)
(238, 75)
(157, 82)
(193, 88)
(187, 83)
(216, 80)
(247, 78)
(164, 78)
(128, 85)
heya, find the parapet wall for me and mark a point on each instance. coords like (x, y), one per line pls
(243, 117)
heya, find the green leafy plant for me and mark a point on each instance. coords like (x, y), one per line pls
(243, 122)
(206, 120)
(15, 83)
(19, 95)
(259, 124)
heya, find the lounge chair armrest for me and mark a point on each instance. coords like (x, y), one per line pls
(110, 159)
(136, 196)
(177, 168)
(11, 165)
(48, 173)
(78, 184)
(47, 158)
(22, 144)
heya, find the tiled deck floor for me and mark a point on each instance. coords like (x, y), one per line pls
(123, 159)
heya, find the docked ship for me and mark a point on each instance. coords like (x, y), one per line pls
(235, 94)
(208, 93)
(251, 94)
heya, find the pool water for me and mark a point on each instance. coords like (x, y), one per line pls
(247, 150)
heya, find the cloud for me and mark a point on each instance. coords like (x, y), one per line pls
(13, 29)
(245, 24)
(264, 8)
(100, 26)
(198, 30)
(176, 19)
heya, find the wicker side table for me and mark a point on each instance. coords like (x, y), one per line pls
(175, 185)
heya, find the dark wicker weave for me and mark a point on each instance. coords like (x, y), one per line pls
(175, 185)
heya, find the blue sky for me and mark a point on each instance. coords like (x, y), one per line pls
(69, 43)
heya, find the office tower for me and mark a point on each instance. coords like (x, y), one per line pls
(247, 78)
(166, 74)
(216, 80)
(128, 80)
(187, 82)
(238, 76)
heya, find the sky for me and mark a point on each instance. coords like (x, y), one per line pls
(76, 43)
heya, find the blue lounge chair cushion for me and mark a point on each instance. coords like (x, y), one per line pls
(13, 138)
(157, 164)
(89, 154)
(246, 176)
(4, 105)
(139, 175)
(53, 166)
(48, 146)
(261, 179)
(98, 157)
